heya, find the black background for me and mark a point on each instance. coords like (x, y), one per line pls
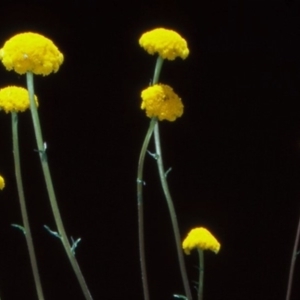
(235, 152)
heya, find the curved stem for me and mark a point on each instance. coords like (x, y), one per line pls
(50, 189)
(140, 184)
(201, 274)
(27, 231)
(163, 180)
(293, 261)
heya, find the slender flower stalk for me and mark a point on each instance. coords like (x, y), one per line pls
(165, 187)
(140, 184)
(293, 261)
(141, 208)
(50, 188)
(27, 231)
(157, 70)
(201, 274)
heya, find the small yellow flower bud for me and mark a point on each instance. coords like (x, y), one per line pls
(2, 183)
(167, 43)
(31, 52)
(160, 101)
(14, 99)
(200, 238)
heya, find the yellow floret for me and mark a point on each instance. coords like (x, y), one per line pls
(160, 101)
(167, 43)
(31, 52)
(14, 99)
(200, 238)
(2, 183)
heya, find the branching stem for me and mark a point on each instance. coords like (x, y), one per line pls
(50, 188)
(140, 184)
(172, 212)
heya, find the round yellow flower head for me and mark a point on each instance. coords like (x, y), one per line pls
(14, 99)
(200, 238)
(31, 52)
(2, 183)
(160, 101)
(167, 43)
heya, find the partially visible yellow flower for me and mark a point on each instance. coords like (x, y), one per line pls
(2, 183)
(200, 238)
(31, 52)
(160, 101)
(14, 99)
(167, 43)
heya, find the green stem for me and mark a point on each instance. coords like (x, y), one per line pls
(33, 260)
(201, 274)
(157, 70)
(163, 180)
(140, 184)
(50, 189)
(293, 261)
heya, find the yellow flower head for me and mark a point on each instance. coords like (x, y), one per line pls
(2, 183)
(167, 43)
(14, 99)
(31, 52)
(200, 238)
(160, 101)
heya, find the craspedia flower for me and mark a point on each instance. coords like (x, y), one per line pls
(200, 238)
(31, 52)
(167, 43)
(2, 183)
(14, 99)
(160, 101)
